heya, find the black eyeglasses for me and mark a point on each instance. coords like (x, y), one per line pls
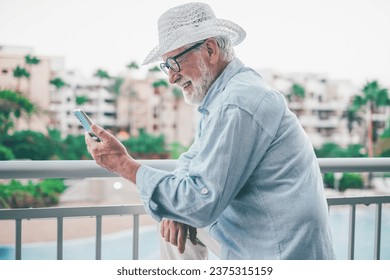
(171, 62)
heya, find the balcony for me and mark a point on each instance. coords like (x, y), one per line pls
(89, 169)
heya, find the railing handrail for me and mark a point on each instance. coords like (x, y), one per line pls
(27, 169)
(358, 200)
(67, 212)
(138, 209)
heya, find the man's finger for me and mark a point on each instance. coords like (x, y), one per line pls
(182, 238)
(193, 232)
(166, 234)
(162, 228)
(173, 231)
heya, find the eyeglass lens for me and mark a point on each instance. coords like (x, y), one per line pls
(171, 62)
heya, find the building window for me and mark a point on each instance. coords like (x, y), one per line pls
(109, 114)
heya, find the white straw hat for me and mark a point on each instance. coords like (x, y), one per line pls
(189, 23)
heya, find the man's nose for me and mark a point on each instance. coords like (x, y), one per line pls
(173, 76)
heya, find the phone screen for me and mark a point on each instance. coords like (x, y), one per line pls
(86, 123)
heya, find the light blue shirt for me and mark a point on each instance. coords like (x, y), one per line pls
(251, 176)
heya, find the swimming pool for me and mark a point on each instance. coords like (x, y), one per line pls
(364, 232)
(118, 246)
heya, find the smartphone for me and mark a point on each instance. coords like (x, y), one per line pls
(86, 123)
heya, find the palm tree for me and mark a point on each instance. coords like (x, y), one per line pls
(158, 84)
(155, 69)
(58, 83)
(373, 96)
(102, 74)
(19, 73)
(352, 116)
(117, 85)
(31, 60)
(297, 91)
(132, 65)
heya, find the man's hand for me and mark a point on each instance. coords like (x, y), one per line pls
(176, 234)
(111, 154)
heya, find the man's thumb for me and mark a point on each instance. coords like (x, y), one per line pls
(99, 131)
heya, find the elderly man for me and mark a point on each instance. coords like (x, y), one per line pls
(251, 178)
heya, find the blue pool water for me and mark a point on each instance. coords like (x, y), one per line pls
(364, 233)
(118, 246)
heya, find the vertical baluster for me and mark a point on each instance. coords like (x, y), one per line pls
(98, 253)
(135, 236)
(60, 237)
(351, 243)
(378, 224)
(18, 239)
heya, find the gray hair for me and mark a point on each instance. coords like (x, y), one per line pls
(226, 48)
(224, 45)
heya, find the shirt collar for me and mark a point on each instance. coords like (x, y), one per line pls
(218, 86)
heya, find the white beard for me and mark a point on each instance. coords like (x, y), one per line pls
(199, 86)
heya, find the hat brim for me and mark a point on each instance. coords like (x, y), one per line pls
(191, 34)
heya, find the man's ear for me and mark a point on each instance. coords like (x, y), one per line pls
(212, 50)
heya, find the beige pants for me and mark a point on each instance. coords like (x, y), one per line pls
(191, 252)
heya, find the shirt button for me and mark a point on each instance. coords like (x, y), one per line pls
(204, 191)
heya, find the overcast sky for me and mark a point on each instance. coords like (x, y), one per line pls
(347, 39)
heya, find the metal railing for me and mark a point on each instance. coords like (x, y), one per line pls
(86, 169)
(67, 212)
(352, 202)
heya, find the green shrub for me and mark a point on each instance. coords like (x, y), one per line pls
(73, 147)
(29, 144)
(176, 149)
(42, 194)
(6, 153)
(347, 181)
(351, 181)
(329, 180)
(333, 150)
(145, 144)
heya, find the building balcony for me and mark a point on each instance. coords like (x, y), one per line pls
(316, 122)
(78, 170)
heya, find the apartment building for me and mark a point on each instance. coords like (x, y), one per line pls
(321, 111)
(90, 94)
